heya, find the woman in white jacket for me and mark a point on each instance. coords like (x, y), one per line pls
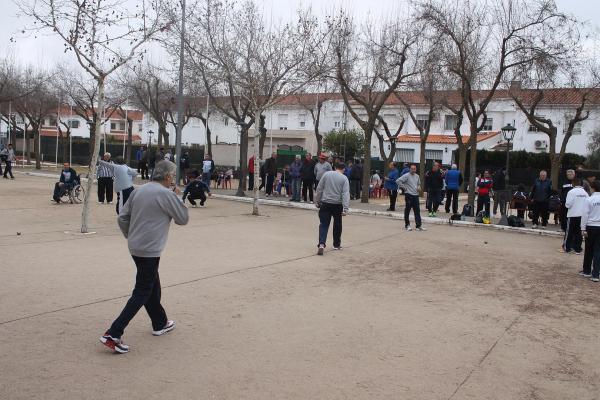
(575, 203)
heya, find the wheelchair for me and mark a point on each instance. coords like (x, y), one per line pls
(74, 194)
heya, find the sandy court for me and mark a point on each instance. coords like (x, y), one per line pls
(451, 313)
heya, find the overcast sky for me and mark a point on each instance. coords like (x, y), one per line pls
(46, 51)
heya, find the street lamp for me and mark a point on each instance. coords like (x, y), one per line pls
(509, 134)
(150, 133)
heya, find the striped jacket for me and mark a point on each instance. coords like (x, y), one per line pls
(103, 171)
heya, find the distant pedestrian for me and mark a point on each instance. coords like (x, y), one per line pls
(333, 200)
(576, 202)
(251, 173)
(356, 180)
(270, 172)
(566, 187)
(411, 184)
(208, 167)
(454, 180)
(434, 183)
(145, 221)
(405, 169)
(105, 181)
(143, 164)
(196, 189)
(590, 226)
(296, 178)
(540, 196)
(184, 165)
(8, 154)
(321, 167)
(391, 186)
(138, 158)
(123, 183)
(308, 178)
(484, 186)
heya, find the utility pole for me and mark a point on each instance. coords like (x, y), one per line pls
(180, 96)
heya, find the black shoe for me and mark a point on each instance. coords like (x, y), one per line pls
(115, 344)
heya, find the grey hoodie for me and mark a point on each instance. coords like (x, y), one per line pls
(321, 168)
(146, 217)
(410, 183)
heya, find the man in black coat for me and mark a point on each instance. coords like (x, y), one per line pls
(308, 177)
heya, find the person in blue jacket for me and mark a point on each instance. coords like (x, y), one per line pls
(391, 186)
(405, 169)
(454, 180)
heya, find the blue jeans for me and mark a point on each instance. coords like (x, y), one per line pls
(326, 212)
(412, 202)
(206, 178)
(296, 185)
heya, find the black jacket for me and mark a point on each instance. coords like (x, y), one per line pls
(271, 166)
(356, 172)
(184, 162)
(434, 180)
(72, 178)
(541, 190)
(499, 181)
(308, 169)
(195, 187)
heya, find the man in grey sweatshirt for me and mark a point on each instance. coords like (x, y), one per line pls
(145, 221)
(333, 200)
(321, 167)
(411, 184)
(123, 179)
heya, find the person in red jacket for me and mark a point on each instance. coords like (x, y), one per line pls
(251, 173)
(485, 191)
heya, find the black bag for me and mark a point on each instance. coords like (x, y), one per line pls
(554, 203)
(480, 215)
(467, 210)
(519, 223)
(456, 217)
(512, 221)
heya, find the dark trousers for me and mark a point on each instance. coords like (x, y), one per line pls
(250, 181)
(355, 188)
(105, 187)
(8, 169)
(393, 198)
(433, 199)
(563, 217)
(592, 251)
(125, 195)
(573, 238)
(269, 184)
(307, 186)
(540, 210)
(326, 212)
(483, 203)
(59, 189)
(196, 196)
(499, 203)
(146, 293)
(296, 185)
(143, 169)
(412, 203)
(452, 199)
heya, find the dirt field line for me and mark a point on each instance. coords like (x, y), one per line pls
(255, 267)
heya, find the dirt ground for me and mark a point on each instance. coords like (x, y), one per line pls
(451, 313)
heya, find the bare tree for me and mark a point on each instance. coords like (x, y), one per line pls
(103, 35)
(390, 137)
(371, 63)
(485, 40)
(313, 103)
(243, 60)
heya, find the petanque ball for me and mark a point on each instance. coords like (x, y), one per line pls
(18, 233)
(485, 242)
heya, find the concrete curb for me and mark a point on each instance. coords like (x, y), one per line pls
(359, 211)
(393, 215)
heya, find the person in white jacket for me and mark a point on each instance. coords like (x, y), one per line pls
(575, 203)
(590, 227)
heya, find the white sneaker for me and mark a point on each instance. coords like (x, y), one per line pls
(168, 328)
(534, 226)
(421, 229)
(100, 202)
(194, 206)
(407, 228)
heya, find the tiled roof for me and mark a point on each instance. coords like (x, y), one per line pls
(444, 139)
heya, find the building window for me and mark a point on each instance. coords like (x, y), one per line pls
(140, 127)
(302, 124)
(302, 120)
(422, 121)
(489, 124)
(405, 155)
(117, 125)
(450, 122)
(73, 123)
(226, 121)
(532, 128)
(282, 121)
(337, 124)
(576, 128)
(435, 155)
(50, 121)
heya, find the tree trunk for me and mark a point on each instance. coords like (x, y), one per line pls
(262, 138)
(243, 163)
(319, 141)
(555, 171)
(364, 198)
(462, 164)
(422, 165)
(129, 142)
(209, 138)
(36, 147)
(256, 165)
(86, 200)
(92, 143)
(472, 164)
(164, 134)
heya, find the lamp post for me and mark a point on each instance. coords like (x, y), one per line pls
(150, 133)
(509, 134)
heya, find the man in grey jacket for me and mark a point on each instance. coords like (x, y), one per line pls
(321, 167)
(411, 184)
(332, 199)
(144, 221)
